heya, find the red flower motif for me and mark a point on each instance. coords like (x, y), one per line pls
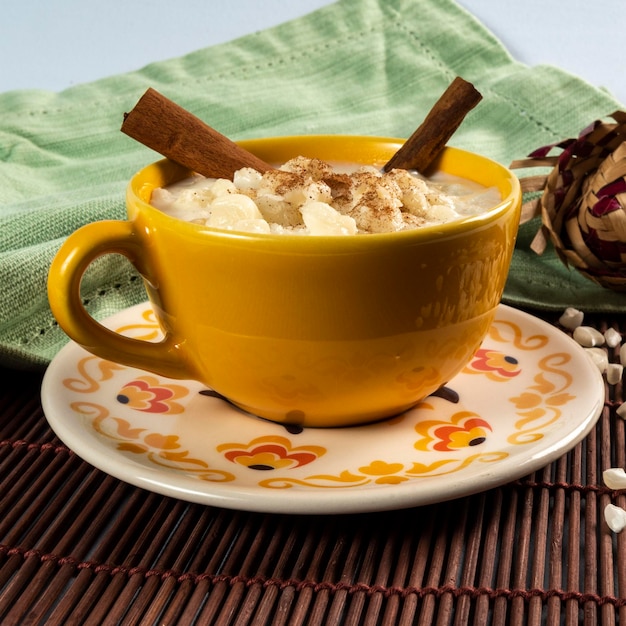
(148, 394)
(496, 365)
(464, 430)
(270, 452)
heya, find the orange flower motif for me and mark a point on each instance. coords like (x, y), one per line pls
(527, 400)
(559, 399)
(270, 453)
(464, 430)
(150, 395)
(152, 442)
(384, 473)
(497, 366)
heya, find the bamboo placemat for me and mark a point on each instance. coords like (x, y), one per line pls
(77, 546)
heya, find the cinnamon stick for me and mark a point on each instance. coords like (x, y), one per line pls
(422, 148)
(174, 132)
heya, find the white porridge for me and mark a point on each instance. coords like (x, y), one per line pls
(311, 197)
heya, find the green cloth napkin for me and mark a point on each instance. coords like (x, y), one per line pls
(370, 67)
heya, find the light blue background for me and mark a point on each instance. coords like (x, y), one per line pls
(54, 44)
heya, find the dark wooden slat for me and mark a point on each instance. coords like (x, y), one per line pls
(590, 551)
(456, 543)
(575, 517)
(556, 554)
(488, 566)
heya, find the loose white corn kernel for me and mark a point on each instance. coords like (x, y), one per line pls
(622, 354)
(614, 373)
(247, 178)
(621, 411)
(588, 337)
(612, 337)
(614, 478)
(321, 219)
(219, 188)
(571, 318)
(615, 518)
(235, 211)
(599, 358)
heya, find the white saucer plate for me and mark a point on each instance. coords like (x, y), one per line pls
(529, 395)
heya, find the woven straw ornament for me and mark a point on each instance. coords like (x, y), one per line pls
(583, 204)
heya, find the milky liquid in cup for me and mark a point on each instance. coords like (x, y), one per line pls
(312, 197)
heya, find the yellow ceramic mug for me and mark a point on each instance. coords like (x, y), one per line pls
(317, 331)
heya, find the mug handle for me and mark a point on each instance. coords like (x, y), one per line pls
(75, 255)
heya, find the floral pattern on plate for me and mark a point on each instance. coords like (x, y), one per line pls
(529, 394)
